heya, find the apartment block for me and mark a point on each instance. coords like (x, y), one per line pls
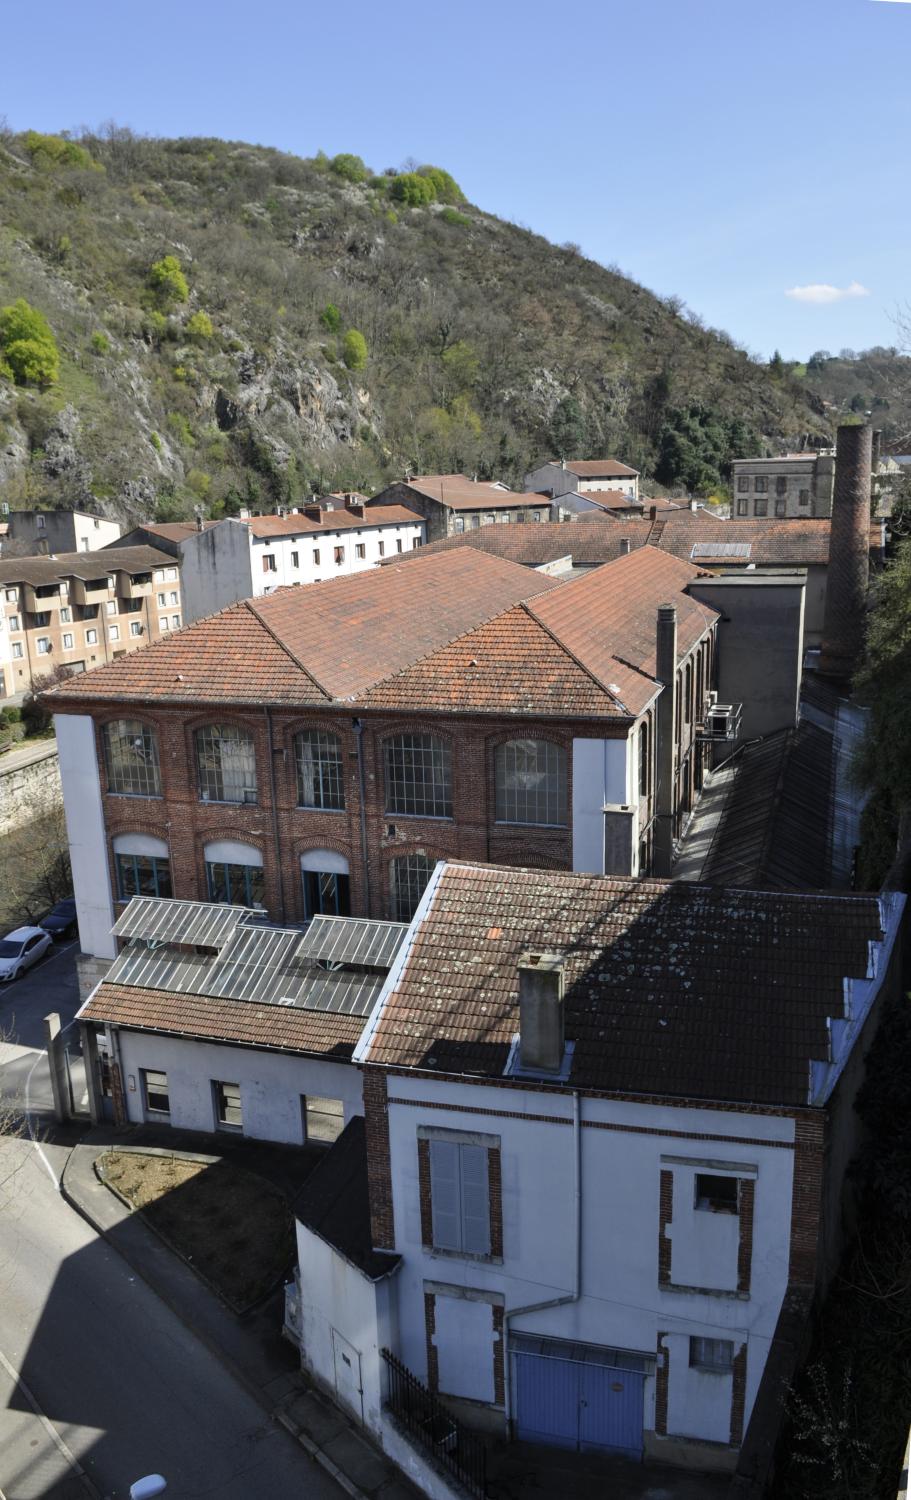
(792, 486)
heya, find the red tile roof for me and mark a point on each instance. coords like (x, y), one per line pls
(537, 544)
(286, 1028)
(598, 468)
(458, 492)
(174, 531)
(339, 519)
(321, 641)
(673, 990)
(46, 569)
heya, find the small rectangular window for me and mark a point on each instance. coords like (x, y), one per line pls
(398, 544)
(780, 505)
(91, 638)
(163, 624)
(228, 1113)
(360, 550)
(717, 1194)
(761, 484)
(804, 497)
(162, 600)
(43, 645)
(170, 574)
(458, 524)
(316, 557)
(295, 559)
(67, 641)
(743, 482)
(155, 1089)
(17, 649)
(135, 628)
(114, 632)
(324, 1119)
(66, 615)
(175, 622)
(338, 554)
(12, 596)
(742, 506)
(760, 507)
(781, 484)
(14, 622)
(268, 562)
(381, 549)
(715, 1355)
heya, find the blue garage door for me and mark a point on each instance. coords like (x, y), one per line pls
(578, 1395)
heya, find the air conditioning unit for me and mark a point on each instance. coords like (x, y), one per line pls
(721, 722)
(250, 793)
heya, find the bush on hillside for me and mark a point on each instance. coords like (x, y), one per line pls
(349, 167)
(445, 187)
(167, 280)
(28, 349)
(331, 318)
(412, 189)
(354, 350)
(199, 326)
(51, 151)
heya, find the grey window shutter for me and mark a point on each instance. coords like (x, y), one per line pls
(444, 1194)
(475, 1201)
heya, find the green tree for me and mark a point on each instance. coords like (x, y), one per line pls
(100, 343)
(462, 364)
(349, 167)
(883, 765)
(354, 350)
(167, 280)
(445, 187)
(331, 318)
(49, 151)
(28, 349)
(412, 189)
(568, 435)
(199, 326)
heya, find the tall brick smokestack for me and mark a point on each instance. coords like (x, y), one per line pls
(849, 553)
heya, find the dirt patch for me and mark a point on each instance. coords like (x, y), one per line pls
(232, 1227)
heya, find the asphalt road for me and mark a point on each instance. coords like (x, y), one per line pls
(123, 1389)
(50, 986)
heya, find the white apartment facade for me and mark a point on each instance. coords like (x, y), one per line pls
(243, 559)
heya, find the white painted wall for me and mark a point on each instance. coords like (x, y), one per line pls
(308, 544)
(215, 569)
(464, 1339)
(271, 1083)
(85, 832)
(621, 1305)
(600, 774)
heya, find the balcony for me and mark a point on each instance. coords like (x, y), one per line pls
(133, 585)
(89, 590)
(38, 598)
(720, 724)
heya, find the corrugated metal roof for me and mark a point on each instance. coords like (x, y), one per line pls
(202, 923)
(353, 940)
(268, 965)
(721, 549)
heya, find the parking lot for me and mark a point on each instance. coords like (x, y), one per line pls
(50, 986)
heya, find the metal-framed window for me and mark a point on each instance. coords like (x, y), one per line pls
(236, 885)
(142, 875)
(409, 875)
(418, 776)
(320, 770)
(720, 1195)
(716, 1355)
(131, 757)
(228, 1112)
(155, 1091)
(226, 762)
(326, 893)
(323, 1119)
(530, 780)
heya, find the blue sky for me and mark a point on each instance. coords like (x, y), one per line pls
(727, 151)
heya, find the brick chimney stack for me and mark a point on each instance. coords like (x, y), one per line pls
(849, 553)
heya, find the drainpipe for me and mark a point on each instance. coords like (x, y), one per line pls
(358, 728)
(566, 1297)
(275, 833)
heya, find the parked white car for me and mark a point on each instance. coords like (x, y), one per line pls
(20, 949)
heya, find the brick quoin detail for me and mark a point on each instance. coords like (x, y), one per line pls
(662, 1377)
(117, 1095)
(738, 1396)
(499, 1383)
(665, 1216)
(745, 1246)
(426, 1194)
(806, 1200)
(379, 1169)
(495, 1197)
(430, 1323)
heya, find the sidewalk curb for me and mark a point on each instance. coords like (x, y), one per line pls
(275, 1413)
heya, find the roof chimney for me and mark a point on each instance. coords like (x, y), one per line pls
(313, 513)
(541, 1037)
(848, 573)
(665, 738)
(355, 510)
(199, 525)
(653, 512)
(625, 546)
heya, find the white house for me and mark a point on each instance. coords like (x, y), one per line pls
(209, 1019)
(242, 559)
(598, 1152)
(585, 476)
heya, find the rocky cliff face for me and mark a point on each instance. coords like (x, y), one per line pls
(484, 348)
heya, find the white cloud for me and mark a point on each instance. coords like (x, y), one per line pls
(821, 291)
